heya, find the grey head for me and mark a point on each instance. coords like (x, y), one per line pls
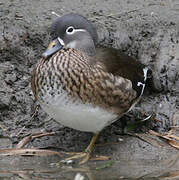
(75, 31)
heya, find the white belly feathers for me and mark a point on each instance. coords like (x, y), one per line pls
(73, 114)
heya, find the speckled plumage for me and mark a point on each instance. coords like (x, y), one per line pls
(81, 86)
(71, 71)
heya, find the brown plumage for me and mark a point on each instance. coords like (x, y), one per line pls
(83, 80)
(84, 87)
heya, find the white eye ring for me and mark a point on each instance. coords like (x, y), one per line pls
(70, 30)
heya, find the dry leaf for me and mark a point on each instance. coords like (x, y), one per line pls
(169, 137)
(174, 143)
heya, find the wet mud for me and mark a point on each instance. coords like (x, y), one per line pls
(145, 30)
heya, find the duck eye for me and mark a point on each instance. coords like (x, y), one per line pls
(70, 30)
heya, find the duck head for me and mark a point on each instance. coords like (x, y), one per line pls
(72, 31)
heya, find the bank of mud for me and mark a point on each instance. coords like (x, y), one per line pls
(145, 30)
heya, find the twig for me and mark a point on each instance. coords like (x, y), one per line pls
(28, 152)
(20, 131)
(25, 140)
(127, 12)
(36, 111)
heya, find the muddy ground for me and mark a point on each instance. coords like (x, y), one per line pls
(147, 30)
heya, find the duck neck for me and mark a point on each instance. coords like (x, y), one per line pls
(84, 43)
(88, 48)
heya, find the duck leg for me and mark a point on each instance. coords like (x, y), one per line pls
(85, 155)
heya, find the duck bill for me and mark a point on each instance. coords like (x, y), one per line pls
(53, 47)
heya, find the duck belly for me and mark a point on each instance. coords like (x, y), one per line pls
(76, 115)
